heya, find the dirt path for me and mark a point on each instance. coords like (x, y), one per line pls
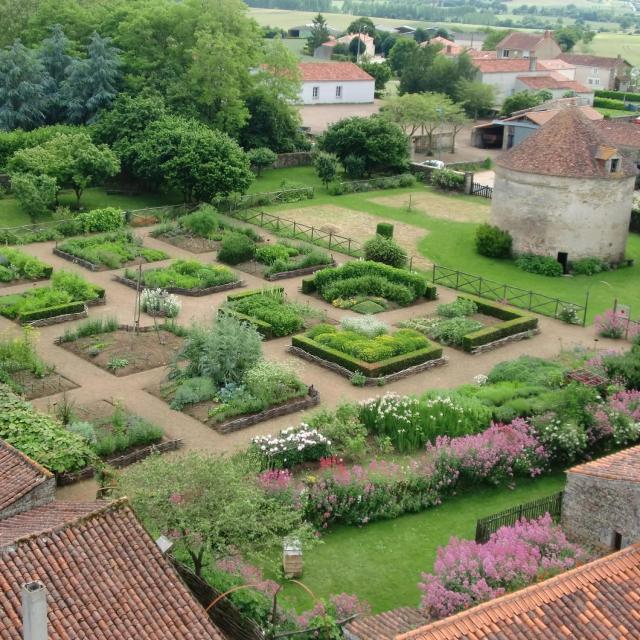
(97, 384)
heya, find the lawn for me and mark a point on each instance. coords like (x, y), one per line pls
(382, 561)
(94, 198)
(451, 242)
(613, 113)
(612, 44)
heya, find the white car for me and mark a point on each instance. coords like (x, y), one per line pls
(436, 164)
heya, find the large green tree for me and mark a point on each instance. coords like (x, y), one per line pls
(477, 98)
(55, 56)
(401, 53)
(523, 100)
(380, 145)
(379, 71)
(186, 155)
(319, 33)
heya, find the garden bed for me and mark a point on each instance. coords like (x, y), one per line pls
(475, 325)
(39, 387)
(270, 313)
(123, 350)
(369, 287)
(205, 279)
(107, 251)
(17, 267)
(365, 347)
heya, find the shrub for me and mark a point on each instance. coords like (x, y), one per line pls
(367, 326)
(528, 370)
(384, 229)
(370, 286)
(451, 331)
(493, 242)
(107, 219)
(192, 390)
(269, 253)
(290, 447)
(542, 265)
(15, 264)
(261, 158)
(588, 266)
(569, 314)
(385, 250)
(611, 324)
(354, 166)
(18, 354)
(447, 180)
(461, 307)
(184, 274)
(158, 302)
(273, 383)
(270, 307)
(236, 248)
(624, 367)
(204, 222)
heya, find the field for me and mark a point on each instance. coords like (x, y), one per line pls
(612, 44)
(382, 562)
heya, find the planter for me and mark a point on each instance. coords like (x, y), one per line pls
(133, 284)
(118, 461)
(496, 344)
(299, 272)
(297, 404)
(369, 382)
(75, 260)
(65, 317)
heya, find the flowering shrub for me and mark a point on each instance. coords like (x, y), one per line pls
(275, 480)
(467, 573)
(619, 418)
(498, 453)
(565, 440)
(611, 324)
(158, 302)
(291, 447)
(236, 566)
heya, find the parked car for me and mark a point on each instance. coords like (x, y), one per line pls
(436, 164)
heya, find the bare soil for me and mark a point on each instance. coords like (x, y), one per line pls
(360, 226)
(142, 350)
(438, 206)
(193, 244)
(35, 387)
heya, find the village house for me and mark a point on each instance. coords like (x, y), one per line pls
(449, 48)
(528, 45)
(326, 49)
(611, 74)
(601, 501)
(335, 83)
(557, 85)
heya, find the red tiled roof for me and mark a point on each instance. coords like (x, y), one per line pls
(510, 65)
(332, 71)
(481, 55)
(386, 625)
(585, 60)
(105, 578)
(453, 48)
(542, 117)
(624, 465)
(550, 82)
(597, 601)
(519, 40)
(620, 134)
(568, 145)
(18, 474)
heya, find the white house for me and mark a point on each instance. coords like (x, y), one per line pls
(335, 83)
(367, 46)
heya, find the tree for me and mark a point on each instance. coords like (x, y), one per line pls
(34, 193)
(188, 156)
(357, 47)
(55, 58)
(421, 35)
(379, 71)
(380, 144)
(272, 123)
(261, 158)
(212, 507)
(319, 34)
(387, 44)
(569, 36)
(23, 83)
(363, 25)
(429, 71)
(91, 84)
(522, 100)
(493, 37)
(280, 72)
(326, 166)
(71, 159)
(477, 98)
(401, 53)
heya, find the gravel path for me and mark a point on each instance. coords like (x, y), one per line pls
(97, 384)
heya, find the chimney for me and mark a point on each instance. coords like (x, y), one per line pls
(34, 611)
(533, 63)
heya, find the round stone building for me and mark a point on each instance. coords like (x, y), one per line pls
(565, 192)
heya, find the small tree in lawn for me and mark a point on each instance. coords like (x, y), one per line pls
(326, 166)
(261, 158)
(34, 193)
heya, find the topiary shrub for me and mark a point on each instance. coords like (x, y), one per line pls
(236, 248)
(493, 242)
(384, 229)
(542, 265)
(385, 250)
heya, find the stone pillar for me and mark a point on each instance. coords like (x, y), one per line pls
(468, 182)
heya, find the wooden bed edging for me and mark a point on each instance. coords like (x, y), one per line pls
(305, 271)
(184, 292)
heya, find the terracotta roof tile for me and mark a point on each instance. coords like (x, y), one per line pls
(520, 40)
(105, 577)
(512, 65)
(448, 46)
(621, 134)
(332, 71)
(624, 465)
(386, 625)
(593, 602)
(550, 82)
(585, 60)
(18, 474)
(567, 145)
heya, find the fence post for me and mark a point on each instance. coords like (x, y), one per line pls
(312, 229)
(294, 228)
(349, 247)
(262, 218)
(457, 280)
(530, 300)
(330, 236)
(433, 273)
(586, 304)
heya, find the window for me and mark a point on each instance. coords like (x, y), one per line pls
(616, 541)
(315, 93)
(595, 71)
(505, 53)
(615, 164)
(339, 91)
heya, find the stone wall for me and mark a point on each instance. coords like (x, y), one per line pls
(593, 509)
(549, 214)
(42, 494)
(295, 159)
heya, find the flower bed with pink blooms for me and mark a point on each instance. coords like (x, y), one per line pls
(467, 573)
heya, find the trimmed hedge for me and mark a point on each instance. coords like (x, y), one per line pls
(369, 369)
(618, 95)
(608, 103)
(51, 312)
(262, 327)
(514, 322)
(252, 292)
(431, 292)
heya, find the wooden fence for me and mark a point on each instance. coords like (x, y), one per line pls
(529, 510)
(506, 293)
(263, 199)
(482, 190)
(300, 231)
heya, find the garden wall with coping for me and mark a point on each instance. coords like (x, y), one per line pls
(293, 159)
(312, 399)
(133, 284)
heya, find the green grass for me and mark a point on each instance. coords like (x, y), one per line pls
(95, 198)
(612, 44)
(613, 113)
(271, 180)
(382, 561)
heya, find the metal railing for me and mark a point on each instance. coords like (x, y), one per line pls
(482, 190)
(529, 510)
(506, 293)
